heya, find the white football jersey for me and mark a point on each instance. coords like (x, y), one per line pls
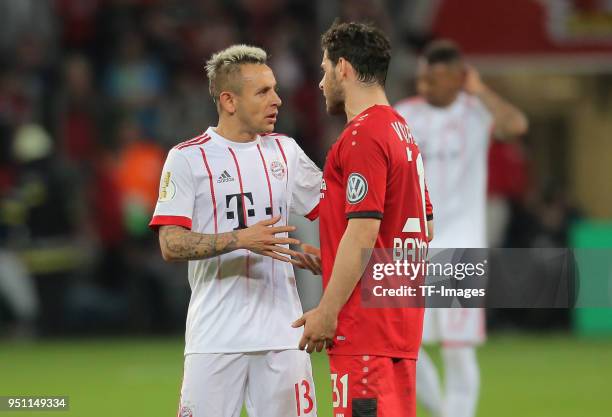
(240, 301)
(454, 143)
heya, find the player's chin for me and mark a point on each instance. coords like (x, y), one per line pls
(267, 128)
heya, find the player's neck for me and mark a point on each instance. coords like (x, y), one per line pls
(234, 132)
(448, 103)
(360, 98)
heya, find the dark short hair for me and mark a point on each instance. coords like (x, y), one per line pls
(366, 47)
(442, 51)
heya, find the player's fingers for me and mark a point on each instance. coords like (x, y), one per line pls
(309, 263)
(315, 265)
(281, 258)
(301, 259)
(319, 266)
(280, 249)
(311, 346)
(311, 250)
(299, 322)
(299, 264)
(270, 221)
(303, 343)
(315, 256)
(320, 346)
(276, 256)
(305, 259)
(282, 229)
(283, 241)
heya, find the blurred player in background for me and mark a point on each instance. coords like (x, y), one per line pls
(373, 186)
(224, 202)
(452, 120)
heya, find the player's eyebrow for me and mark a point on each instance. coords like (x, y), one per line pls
(267, 88)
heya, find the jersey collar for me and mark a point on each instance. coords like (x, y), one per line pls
(230, 143)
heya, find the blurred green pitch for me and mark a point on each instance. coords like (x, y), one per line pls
(548, 376)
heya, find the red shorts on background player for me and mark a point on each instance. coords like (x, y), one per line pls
(373, 195)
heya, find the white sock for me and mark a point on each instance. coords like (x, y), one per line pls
(462, 381)
(428, 385)
(18, 287)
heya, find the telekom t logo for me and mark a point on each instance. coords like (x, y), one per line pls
(241, 211)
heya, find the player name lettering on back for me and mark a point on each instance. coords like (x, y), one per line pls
(409, 249)
(403, 132)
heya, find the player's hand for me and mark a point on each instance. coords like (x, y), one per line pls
(310, 259)
(261, 238)
(319, 329)
(473, 83)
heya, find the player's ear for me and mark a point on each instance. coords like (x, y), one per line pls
(227, 102)
(342, 68)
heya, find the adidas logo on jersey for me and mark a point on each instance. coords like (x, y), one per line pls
(225, 177)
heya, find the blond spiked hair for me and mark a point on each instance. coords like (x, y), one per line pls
(222, 67)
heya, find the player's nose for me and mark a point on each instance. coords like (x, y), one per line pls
(276, 100)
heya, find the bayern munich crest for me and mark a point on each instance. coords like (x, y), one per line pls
(186, 412)
(278, 170)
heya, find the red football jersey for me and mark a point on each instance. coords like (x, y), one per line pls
(375, 170)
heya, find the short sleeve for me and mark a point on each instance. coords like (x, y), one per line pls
(176, 193)
(364, 165)
(307, 187)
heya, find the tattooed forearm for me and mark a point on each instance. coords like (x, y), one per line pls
(179, 244)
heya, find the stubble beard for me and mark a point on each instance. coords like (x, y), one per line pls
(335, 100)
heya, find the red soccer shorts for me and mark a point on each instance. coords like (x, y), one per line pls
(373, 386)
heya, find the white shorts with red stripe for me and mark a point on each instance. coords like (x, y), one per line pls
(269, 384)
(454, 326)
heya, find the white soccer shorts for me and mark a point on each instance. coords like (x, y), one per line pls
(270, 384)
(454, 326)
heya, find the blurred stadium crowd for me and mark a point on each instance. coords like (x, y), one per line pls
(92, 95)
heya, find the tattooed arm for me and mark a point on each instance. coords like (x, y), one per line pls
(179, 244)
